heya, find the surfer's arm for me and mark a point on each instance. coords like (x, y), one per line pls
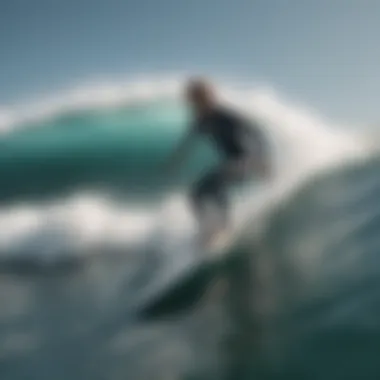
(180, 153)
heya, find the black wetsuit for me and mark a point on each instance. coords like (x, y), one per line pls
(237, 140)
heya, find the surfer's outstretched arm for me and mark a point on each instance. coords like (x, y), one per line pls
(181, 151)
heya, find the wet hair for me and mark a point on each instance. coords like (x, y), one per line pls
(199, 87)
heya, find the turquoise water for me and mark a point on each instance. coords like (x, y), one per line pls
(81, 301)
(118, 148)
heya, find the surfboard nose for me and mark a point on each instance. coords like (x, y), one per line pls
(182, 296)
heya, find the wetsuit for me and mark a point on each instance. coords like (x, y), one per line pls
(241, 145)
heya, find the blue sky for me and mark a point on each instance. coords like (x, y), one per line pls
(323, 53)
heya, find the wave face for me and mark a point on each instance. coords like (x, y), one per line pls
(89, 149)
(92, 235)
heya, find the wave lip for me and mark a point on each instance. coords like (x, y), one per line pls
(88, 97)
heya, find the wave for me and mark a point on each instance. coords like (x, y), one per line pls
(109, 141)
(303, 263)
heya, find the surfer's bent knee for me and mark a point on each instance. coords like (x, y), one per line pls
(206, 187)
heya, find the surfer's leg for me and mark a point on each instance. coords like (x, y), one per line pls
(220, 197)
(211, 191)
(198, 197)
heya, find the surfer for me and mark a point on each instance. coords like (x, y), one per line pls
(241, 146)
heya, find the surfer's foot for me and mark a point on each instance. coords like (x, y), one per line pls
(215, 237)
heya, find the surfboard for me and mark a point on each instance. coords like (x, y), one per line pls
(180, 294)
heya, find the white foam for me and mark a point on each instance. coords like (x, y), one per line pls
(78, 224)
(87, 223)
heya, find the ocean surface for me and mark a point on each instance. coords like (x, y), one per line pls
(101, 276)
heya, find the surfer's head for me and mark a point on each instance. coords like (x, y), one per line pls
(200, 94)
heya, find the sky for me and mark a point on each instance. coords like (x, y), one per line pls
(321, 53)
